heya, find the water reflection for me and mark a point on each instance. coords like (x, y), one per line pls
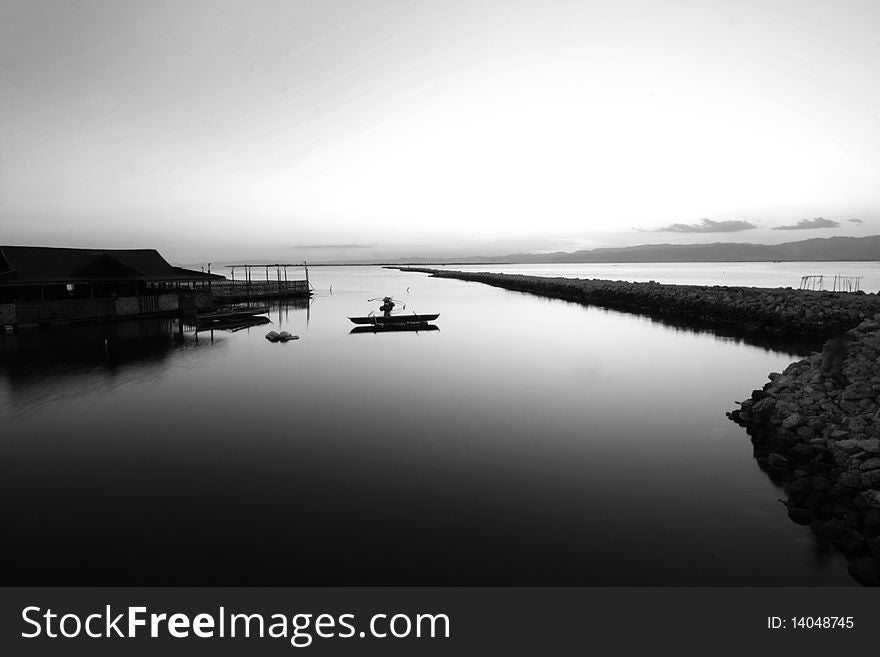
(794, 345)
(42, 367)
(530, 441)
(423, 328)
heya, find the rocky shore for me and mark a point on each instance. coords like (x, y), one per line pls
(816, 426)
(773, 311)
(815, 431)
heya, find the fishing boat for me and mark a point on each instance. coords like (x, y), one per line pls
(206, 320)
(380, 320)
(375, 323)
(233, 324)
(231, 319)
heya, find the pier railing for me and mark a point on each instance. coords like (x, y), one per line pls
(838, 282)
(237, 290)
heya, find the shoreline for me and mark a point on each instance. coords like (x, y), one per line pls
(815, 433)
(778, 312)
(815, 427)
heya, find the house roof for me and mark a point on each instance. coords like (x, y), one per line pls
(22, 265)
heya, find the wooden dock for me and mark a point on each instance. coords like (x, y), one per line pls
(248, 286)
(231, 291)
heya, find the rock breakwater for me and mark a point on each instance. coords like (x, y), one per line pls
(770, 311)
(815, 431)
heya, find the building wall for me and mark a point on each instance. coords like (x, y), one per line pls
(33, 312)
(168, 302)
(192, 301)
(7, 314)
(72, 310)
(127, 306)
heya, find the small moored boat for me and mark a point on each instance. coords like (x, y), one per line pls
(206, 320)
(395, 319)
(233, 324)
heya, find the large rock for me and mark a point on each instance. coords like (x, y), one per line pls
(851, 479)
(870, 498)
(830, 529)
(872, 463)
(849, 446)
(865, 570)
(792, 421)
(871, 479)
(871, 445)
(800, 515)
(777, 461)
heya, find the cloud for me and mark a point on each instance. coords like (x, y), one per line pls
(809, 224)
(854, 221)
(708, 226)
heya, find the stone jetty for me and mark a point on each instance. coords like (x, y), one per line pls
(768, 311)
(816, 426)
(816, 431)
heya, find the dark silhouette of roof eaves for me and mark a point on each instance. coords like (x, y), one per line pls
(36, 264)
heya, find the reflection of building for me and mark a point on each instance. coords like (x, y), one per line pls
(40, 367)
(43, 285)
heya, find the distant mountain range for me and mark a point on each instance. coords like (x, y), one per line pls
(817, 249)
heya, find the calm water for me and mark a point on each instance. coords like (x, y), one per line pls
(528, 441)
(750, 274)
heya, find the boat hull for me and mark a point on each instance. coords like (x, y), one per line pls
(394, 320)
(227, 316)
(233, 324)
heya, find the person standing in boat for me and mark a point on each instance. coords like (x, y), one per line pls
(387, 306)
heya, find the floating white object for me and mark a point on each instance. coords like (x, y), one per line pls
(284, 336)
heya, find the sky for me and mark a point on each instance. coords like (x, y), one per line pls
(344, 129)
